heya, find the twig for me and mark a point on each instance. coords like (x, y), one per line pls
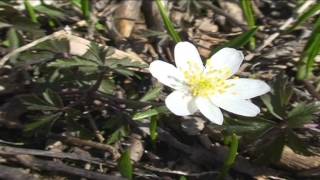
(92, 22)
(11, 143)
(311, 89)
(78, 46)
(315, 172)
(223, 13)
(10, 151)
(234, 21)
(30, 45)
(285, 25)
(95, 128)
(90, 93)
(199, 155)
(11, 173)
(80, 142)
(57, 167)
(215, 156)
(181, 173)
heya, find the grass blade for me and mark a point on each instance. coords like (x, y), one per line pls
(168, 24)
(246, 6)
(239, 41)
(150, 113)
(125, 165)
(152, 94)
(309, 54)
(154, 129)
(85, 7)
(14, 42)
(313, 10)
(32, 14)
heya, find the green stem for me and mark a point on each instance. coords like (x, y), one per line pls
(168, 24)
(32, 14)
(231, 157)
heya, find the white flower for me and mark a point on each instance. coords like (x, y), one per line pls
(207, 88)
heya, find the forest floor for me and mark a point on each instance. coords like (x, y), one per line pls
(77, 100)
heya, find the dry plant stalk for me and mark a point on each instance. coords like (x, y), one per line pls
(78, 46)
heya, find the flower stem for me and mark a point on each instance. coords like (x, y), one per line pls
(231, 157)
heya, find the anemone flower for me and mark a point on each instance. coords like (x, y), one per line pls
(207, 88)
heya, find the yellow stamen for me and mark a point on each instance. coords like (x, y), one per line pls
(207, 83)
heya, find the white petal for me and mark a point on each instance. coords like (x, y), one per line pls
(236, 106)
(209, 110)
(187, 56)
(226, 58)
(180, 103)
(247, 88)
(167, 74)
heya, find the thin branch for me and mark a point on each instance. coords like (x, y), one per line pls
(233, 20)
(11, 173)
(95, 128)
(10, 151)
(176, 172)
(58, 34)
(80, 142)
(60, 168)
(288, 22)
(312, 90)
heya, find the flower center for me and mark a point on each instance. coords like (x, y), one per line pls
(207, 83)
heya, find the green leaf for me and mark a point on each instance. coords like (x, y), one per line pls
(54, 46)
(85, 8)
(125, 165)
(246, 126)
(53, 98)
(168, 24)
(97, 53)
(28, 58)
(154, 128)
(25, 24)
(266, 99)
(183, 178)
(30, 10)
(246, 6)
(4, 3)
(270, 151)
(101, 27)
(13, 38)
(51, 11)
(76, 3)
(311, 50)
(107, 86)
(152, 94)
(125, 62)
(117, 135)
(42, 121)
(296, 144)
(124, 66)
(14, 41)
(239, 41)
(305, 16)
(33, 102)
(74, 62)
(282, 93)
(150, 112)
(302, 114)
